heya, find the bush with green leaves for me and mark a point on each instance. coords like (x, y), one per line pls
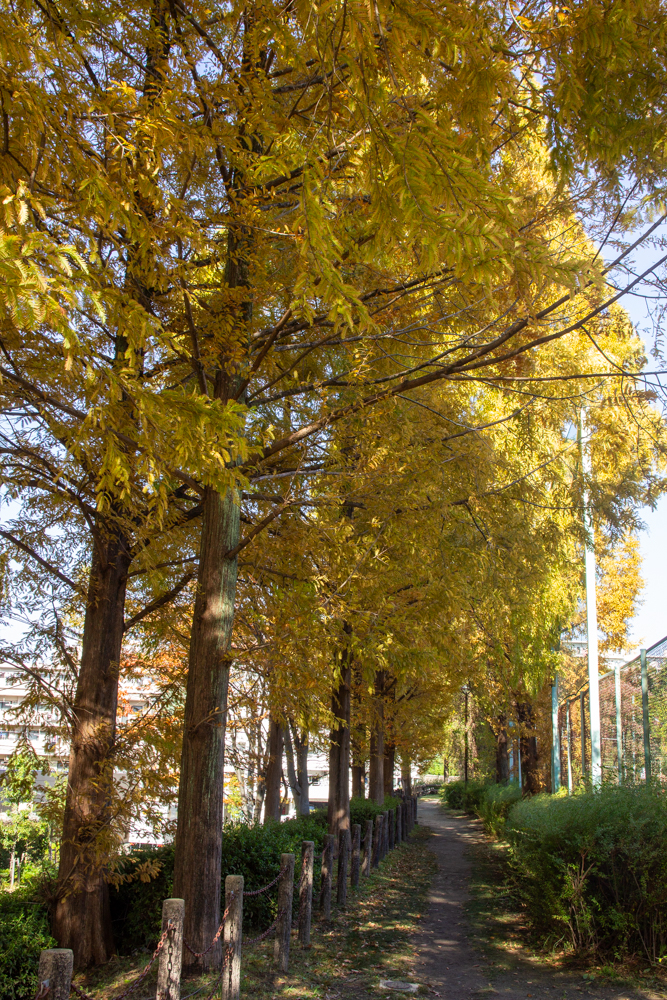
(590, 870)
(252, 851)
(466, 796)
(24, 931)
(495, 805)
(362, 810)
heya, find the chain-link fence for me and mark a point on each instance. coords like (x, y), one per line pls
(633, 723)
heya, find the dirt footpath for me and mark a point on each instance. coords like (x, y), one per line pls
(449, 962)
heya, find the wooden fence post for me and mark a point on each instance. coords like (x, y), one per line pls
(327, 872)
(232, 938)
(171, 956)
(416, 803)
(368, 849)
(343, 850)
(392, 828)
(385, 834)
(406, 820)
(356, 852)
(284, 925)
(55, 973)
(399, 825)
(377, 840)
(306, 891)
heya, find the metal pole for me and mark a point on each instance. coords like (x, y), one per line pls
(619, 728)
(465, 749)
(555, 743)
(569, 755)
(645, 718)
(591, 620)
(582, 716)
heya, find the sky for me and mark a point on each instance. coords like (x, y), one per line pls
(650, 623)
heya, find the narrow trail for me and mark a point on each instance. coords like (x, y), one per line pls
(449, 961)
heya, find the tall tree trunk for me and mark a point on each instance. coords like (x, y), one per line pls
(358, 781)
(296, 755)
(502, 751)
(357, 740)
(339, 752)
(198, 849)
(81, 918)
(274, 770)
(529, 763)
(406, 775)
(376, 762)
(389, 764)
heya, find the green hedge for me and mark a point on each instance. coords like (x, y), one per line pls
(591, 870)
(495, 806)
(251, 851)
(491, 803)
(465, 796)
(24, 931)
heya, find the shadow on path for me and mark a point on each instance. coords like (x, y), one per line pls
(449, 958)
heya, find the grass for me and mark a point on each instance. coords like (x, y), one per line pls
(367, 942)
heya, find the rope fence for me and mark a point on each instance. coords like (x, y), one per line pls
(355, 859)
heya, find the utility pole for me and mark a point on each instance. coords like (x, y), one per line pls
(555, 739)
(465, 749)
(591, 616)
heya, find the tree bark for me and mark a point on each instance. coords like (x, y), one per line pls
(529, 762)
(296, 755)
(339, 752)
(388, 767)
(502, 752)
(81, 918)
(358, 781)
(274, 770)
(406, 775)
(198, 849)
(376, 762)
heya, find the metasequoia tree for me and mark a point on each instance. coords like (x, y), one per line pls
(239, 228)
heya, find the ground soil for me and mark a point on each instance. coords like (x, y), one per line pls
(435, 914)
(466, 954)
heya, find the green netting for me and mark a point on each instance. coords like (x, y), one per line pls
(575, 751)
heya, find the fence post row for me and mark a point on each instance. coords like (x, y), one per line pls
(171, 956)
(306, 891)
(232, 938)
(368, 849)
(377, 835)
(284, 922)
(356, 851)
(343, 849)
(387, 832)
(327, 871)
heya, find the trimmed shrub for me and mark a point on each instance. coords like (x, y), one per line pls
(362, 810)
(24, 931)
(591, 870)
(458, 795)
(495, 805)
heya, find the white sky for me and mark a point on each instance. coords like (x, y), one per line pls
(650, 623)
